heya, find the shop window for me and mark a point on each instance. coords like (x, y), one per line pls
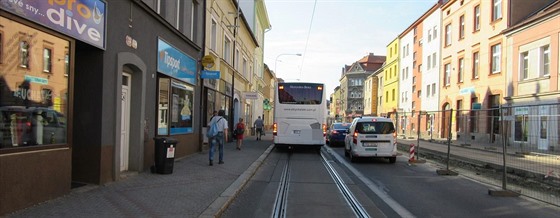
(1, 47)
(33, 107)
(47, 60)
(175, 108)
(521, 127)
(24, 54)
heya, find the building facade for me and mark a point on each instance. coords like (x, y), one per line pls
(391, 80)
(352, 82)
(532, 90)
(95, 94)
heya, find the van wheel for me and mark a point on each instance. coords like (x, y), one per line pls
(346, 153)
(392, 160)
(352, 157)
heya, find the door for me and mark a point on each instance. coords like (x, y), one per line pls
(125, 121)
(543, 127)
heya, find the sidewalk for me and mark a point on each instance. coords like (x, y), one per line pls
(194, 189)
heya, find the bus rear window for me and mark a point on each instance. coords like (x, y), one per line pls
(375, 127)
(301, 93)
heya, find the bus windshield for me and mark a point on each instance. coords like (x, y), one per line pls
(300, 93)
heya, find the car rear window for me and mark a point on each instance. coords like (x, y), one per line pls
(341, 125)
(375, 127)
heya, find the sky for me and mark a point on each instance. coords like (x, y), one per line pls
(335, 34)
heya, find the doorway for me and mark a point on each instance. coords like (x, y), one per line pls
(125, 121)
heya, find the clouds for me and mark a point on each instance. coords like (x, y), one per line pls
(343, 31)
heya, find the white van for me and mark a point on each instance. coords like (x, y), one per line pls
(371, 137)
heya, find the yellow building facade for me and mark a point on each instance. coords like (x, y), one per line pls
(390, 81)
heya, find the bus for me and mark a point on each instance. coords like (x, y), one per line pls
(300, 115)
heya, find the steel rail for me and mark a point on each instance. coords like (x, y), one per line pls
(280, 204)
(348, 196)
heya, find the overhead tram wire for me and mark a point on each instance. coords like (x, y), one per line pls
(307, 40)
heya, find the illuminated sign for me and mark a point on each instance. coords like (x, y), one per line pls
(175, 63)
(81, 19)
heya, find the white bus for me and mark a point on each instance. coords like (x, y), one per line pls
(300, 114)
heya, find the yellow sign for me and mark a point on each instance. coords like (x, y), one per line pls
(207, 61)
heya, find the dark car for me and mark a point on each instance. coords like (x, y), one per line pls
(337, 132)
(27, 126)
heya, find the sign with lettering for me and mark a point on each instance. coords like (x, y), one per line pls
(251, 95)
(81, 19)
(210, 74)
(175, 63)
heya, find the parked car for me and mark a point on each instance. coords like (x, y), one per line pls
(26, 126)
(336, 133)
(371, 137)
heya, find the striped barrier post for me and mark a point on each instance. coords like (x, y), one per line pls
(411, 157)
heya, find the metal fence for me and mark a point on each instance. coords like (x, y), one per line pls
(514, 148)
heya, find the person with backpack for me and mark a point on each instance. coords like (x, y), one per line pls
(218, 138)
(239, 131)
(259, 125)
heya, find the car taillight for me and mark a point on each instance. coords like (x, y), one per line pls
(395, 134)
(274, 129)
(324, 129)
(355, 137)
(334, 131)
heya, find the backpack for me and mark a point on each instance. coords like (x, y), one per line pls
(240, 129)
(213, 130)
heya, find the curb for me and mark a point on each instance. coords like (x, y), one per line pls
(224, 200)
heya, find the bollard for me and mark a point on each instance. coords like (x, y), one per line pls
(411, 157)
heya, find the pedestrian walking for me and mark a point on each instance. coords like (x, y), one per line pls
(220, 138)
(239, 130)
(259, 125)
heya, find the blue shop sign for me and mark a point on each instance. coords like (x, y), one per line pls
(175, 63)
(210, 74)
(81, 19)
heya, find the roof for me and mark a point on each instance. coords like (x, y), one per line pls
(553, 8)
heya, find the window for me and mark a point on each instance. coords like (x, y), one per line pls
(448, 35)
(447, 76)
(244, 68)
(171, 12)
(496, 10)
(462, 27)
(227, 49)
(524, 68)
(387, 96)
(521, 125)
(461, 70)
(496, 58)
(175, 108)
(544, 127)
(433, 89)
(435, 32)
(66, 64)
(1, 47)
(473, 116)
(214, 34)
(429, 61)
(428, 91)
(545, 63)
(47, 60)
(35, 113)
(393, 94)
(476, 26)
(434, 63)
(475, 64)
(24, 54)
(429, 35)
(458, 116)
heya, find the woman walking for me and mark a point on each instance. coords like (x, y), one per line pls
(239, 130)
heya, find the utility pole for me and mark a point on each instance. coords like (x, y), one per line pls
(231, 106)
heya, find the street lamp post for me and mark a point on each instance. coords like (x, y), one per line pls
(276, 61)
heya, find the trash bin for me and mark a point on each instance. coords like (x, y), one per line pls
(164, 155)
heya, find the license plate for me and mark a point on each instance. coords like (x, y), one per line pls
(370, 144)
(343, 133)
(297, 131)
(371, 149)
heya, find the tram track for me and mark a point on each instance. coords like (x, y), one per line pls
(280, 208)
